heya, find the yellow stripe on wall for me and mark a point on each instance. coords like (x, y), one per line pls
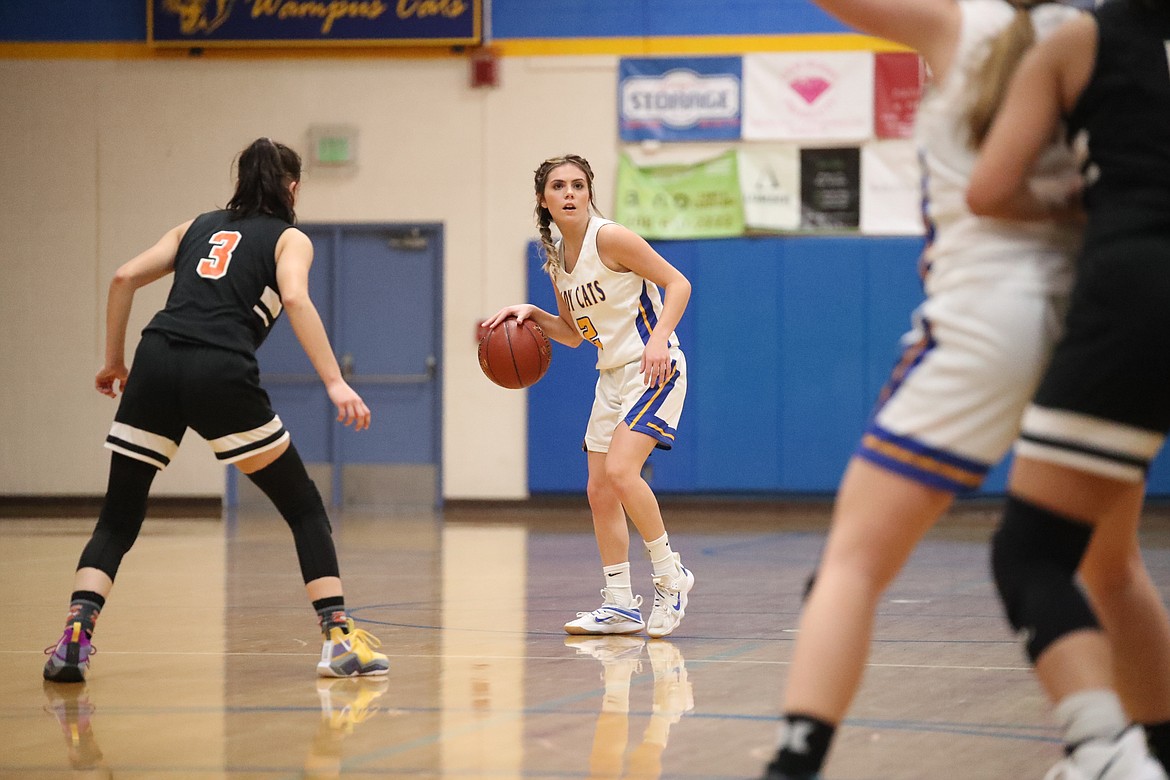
(729, 45)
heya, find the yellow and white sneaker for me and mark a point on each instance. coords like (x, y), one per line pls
(350, 652)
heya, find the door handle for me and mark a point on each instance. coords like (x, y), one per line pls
(346, 363)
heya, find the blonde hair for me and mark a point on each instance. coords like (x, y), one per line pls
(995, 73)
(552, 259)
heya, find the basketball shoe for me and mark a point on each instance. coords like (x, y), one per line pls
(350, 653)
(609, 618)
(69, 704)
(69, 658)
(772, 773)
(1125, 757)
(670, 600)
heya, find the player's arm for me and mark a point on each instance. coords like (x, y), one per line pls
(558, 327)
(622, 248)
(1047, 84)
(294, 257)
(930, 27)
(149, 266)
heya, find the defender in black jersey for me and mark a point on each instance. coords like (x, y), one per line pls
(1103, 409)
(235, 271)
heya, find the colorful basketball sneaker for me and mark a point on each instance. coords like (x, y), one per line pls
(1125, 757)
(609, 618)
(69, 658)
(670, 600)
(350, 653)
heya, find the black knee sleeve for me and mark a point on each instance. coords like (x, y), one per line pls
(289, 487)
(1035, 554)
(122, 514)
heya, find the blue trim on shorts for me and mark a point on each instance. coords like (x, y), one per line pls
(912, 357)
(921, 463)
(646, 407)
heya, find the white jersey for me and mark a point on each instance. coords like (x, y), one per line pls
(615, 311)
(962, 247)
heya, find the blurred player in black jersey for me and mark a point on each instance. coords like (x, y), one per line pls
(235, 270)
(1103, 408)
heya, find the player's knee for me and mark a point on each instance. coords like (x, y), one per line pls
(291, 490)
(1035, 554)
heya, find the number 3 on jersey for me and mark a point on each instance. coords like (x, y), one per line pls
(215, 265)
(588, 332)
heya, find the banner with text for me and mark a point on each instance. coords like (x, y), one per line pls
(680, 98)
(808, 96)
(898, 80)
(769, 179)
(830, 188)
(200, 23)
(681, 201)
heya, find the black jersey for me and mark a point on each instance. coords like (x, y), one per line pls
(1126, 110)
(224, 292)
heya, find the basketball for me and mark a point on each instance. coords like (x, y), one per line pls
(515, 355)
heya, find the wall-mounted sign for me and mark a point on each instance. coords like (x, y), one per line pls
(206, 23)
(680, 99)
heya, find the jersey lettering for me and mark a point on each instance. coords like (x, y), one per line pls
(215, 265)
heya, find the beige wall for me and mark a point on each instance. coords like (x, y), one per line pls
(98, 158)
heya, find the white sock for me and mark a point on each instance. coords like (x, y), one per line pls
(617, 582)
(662, 557)
(1094, 714)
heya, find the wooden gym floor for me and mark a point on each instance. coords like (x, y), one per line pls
(207, 648)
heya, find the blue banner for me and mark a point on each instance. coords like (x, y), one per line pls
(198, 23)
(680, 98)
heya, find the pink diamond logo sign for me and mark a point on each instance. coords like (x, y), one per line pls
(810, 87)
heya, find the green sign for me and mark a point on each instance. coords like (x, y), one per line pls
(681, 201)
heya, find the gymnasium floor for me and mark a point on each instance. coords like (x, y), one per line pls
(207, 648)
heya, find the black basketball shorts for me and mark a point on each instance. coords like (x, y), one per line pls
(176, 385)
(1104, 404)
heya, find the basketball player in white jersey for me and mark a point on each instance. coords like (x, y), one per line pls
(995, 295)
(614, 291)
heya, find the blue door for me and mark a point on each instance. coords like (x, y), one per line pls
(377, 288)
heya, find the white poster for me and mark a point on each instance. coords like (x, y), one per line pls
(891, 189)
(808, 96)
(769, 178)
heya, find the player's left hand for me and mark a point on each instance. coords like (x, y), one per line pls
(111, 380)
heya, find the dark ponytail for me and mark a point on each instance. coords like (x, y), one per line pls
(263, 173)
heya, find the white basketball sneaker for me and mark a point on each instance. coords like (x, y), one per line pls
(670, 600)
(1125, 757)
(609, 618)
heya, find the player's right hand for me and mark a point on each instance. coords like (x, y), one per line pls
(351, 409)
(520, 311)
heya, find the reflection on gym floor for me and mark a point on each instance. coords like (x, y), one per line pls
(207, 650)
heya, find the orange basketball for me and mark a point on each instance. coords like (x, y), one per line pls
(515, 355)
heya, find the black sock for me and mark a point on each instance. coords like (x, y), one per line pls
(331, 614)
(804, 745)
(85, 606)
(1158, 735)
